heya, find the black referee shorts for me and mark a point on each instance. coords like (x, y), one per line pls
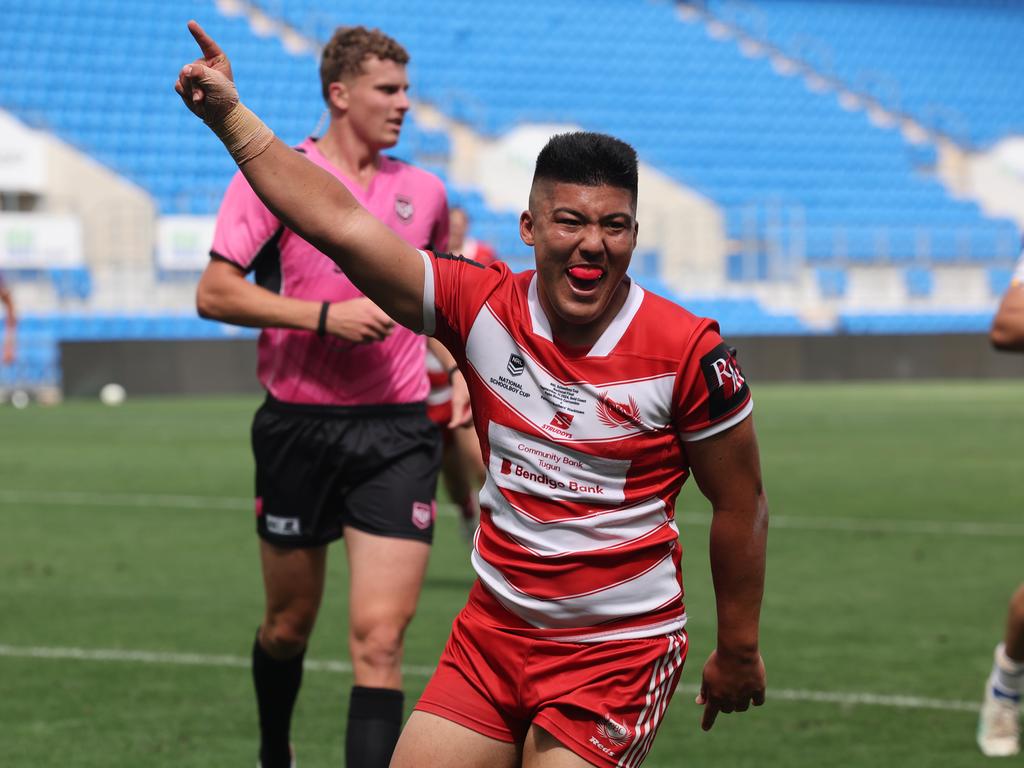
(320, 469)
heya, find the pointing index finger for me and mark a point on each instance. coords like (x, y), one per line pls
(206, 43)
(708, 718)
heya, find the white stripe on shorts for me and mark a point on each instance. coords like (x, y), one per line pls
(655, 703)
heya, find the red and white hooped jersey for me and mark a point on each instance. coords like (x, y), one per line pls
(585, 449)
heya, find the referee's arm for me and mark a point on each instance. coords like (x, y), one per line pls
(1007, 331)
(10, 324)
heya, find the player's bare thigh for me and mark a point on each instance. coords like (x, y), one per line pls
(429, 740)
(542, 750)
(385, 579)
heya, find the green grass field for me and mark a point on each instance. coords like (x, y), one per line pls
(129, 587)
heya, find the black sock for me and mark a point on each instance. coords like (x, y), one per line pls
(374, 722)
(277, 686)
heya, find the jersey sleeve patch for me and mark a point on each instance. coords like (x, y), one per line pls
(727, 387)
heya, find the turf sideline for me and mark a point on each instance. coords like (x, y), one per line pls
(844, 524)
(315, 665)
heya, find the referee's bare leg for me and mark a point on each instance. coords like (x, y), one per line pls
(385, 578)
(293, 582)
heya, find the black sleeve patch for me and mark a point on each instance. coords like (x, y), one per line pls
(727, 388)
(463, 259)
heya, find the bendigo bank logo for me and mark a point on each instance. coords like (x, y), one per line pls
(727, 388)
(508, 468)
(614, 414)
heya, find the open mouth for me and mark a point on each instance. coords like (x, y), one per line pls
(584, 277)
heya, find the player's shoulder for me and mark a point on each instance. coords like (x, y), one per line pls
(673, 321)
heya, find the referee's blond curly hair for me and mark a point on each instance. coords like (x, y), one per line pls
(349, 47)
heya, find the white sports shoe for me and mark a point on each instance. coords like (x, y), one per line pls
(998, 725)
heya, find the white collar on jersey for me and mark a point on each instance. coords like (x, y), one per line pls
(612, 334)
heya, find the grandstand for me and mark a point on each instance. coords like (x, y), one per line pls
(801, 157)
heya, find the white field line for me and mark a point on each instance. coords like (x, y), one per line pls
(847, 524)
(843, 698)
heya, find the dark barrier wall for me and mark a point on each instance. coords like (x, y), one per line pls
(217, 366)
(845, 358)
(226, 366)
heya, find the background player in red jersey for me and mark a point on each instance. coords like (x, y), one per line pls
(462, 243)
(578, 313)
(342, 444)
(999, 722)
(10, 323)
(462, 467)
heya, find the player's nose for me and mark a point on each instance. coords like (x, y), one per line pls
(591, 240)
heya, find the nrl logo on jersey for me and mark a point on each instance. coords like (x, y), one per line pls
(615, 414)
(616, 733)
(516, 365)
(403, 208)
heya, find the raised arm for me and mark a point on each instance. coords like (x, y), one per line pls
(10, 325)
(1007, 331)
(303, 196)
(727, 469)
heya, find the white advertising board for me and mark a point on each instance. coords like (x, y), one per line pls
(183, 242)
(40, 241)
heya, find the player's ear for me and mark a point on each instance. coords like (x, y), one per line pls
(337, 95)
(526, 227)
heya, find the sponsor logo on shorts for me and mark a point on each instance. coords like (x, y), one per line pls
(616, 733)
(403, 208)
(516, 364)
(422, 514)
(283, 526)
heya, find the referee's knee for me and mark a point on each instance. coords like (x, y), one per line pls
(284, 636)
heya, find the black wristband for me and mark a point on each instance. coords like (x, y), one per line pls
(321, 324)
(451, 372)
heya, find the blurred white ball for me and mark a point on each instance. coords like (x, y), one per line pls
(112, 394)
(19, 398)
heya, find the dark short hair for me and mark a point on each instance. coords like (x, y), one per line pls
(589, 159)
(349, 47)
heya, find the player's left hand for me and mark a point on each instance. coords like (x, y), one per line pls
(730, 684)
(462, 411)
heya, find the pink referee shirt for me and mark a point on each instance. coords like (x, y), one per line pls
(298, 366)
